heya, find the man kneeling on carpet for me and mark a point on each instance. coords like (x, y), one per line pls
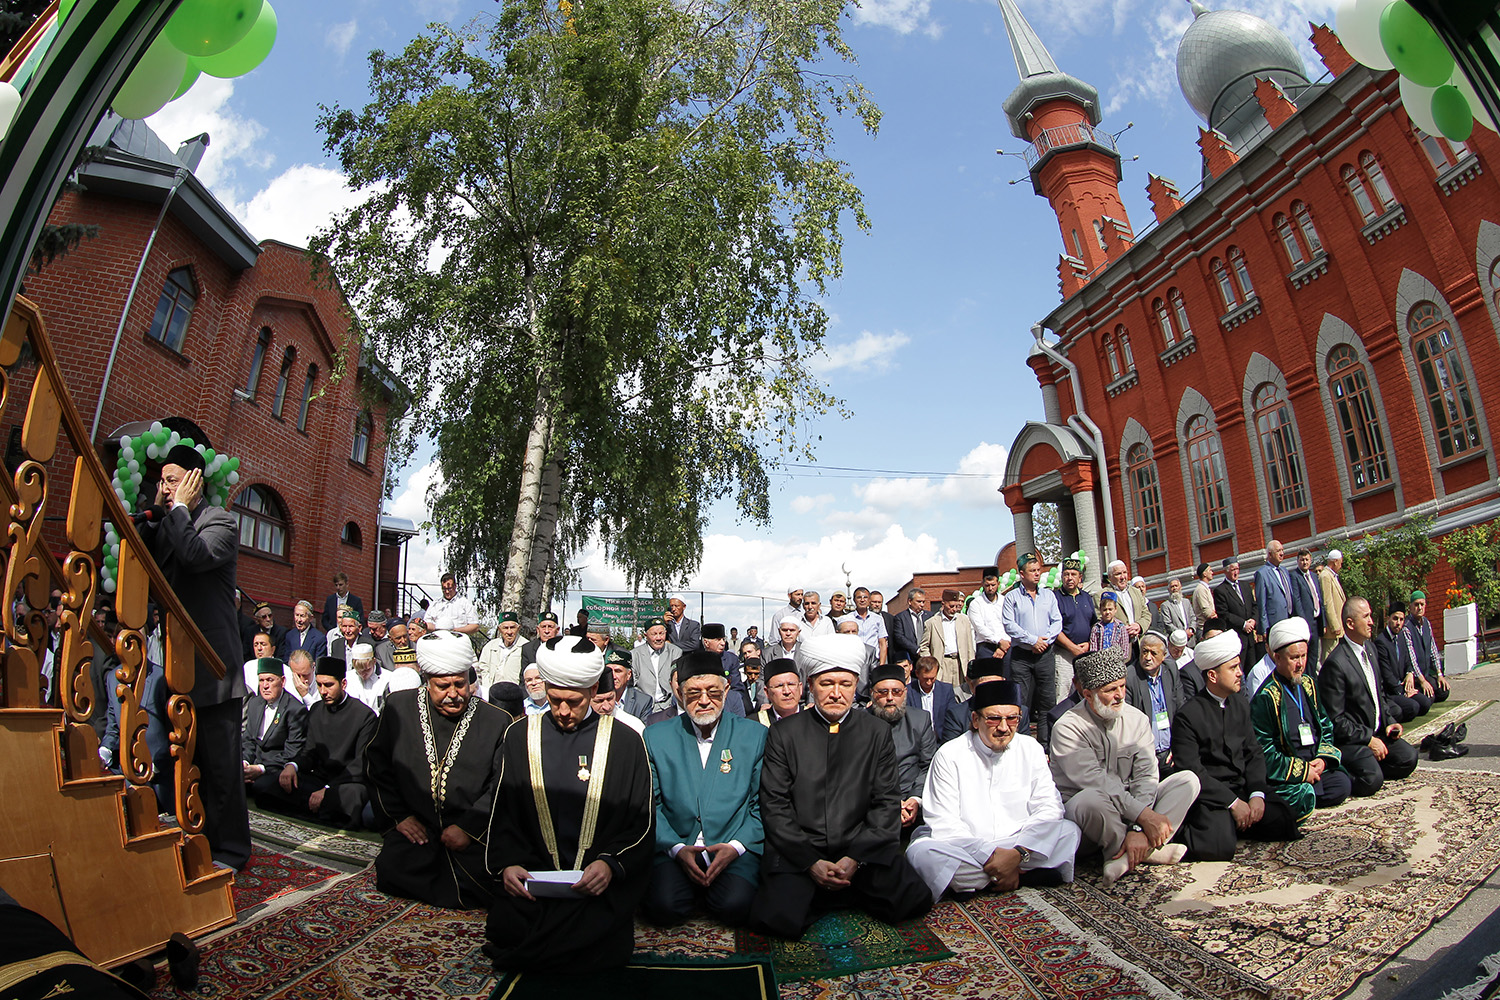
(706, 765)
(994, 819)
(327, 779)
(1303, 764)
(830, 801)
(432, 769)
(571, 834)
(1104, 761)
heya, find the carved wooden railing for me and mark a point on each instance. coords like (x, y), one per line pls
(30, 569)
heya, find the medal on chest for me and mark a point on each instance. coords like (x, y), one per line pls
(724, 761)
(583, 767)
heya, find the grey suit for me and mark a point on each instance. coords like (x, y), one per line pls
(657, 684)
(686, 635)
(1168, 616)
(197, 552)
(915, 745)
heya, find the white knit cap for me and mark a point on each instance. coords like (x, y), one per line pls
(570, 662)
(444, 654)
(362, 651)
(1178, 637)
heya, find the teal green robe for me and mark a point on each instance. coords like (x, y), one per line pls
(1276, 719)
(692, 797)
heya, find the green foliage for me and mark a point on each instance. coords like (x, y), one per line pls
(1047, 532)
(1390, 564)
(1474, 552)
(601, 229)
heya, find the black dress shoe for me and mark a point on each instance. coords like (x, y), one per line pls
(182, 961)
(141, 974)
(1428, 742)
(1445, 735)
(1447, 751)
(1461, 733)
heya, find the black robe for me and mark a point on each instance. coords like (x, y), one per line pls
(589, 932)
(332, 757)
(399, 777)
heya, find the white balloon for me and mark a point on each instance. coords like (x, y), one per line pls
(1357, 23)
(156, 427)
(125, 441)
(10, 103)
(135, 477)
(109, 585)
(1417, 100)
(1467, 89)
(234, 477)
(151, 451)
(133, 465)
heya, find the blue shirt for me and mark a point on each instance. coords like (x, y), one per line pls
(1159, 711)
(1028, 618)
(1078, 614)
(871, 628)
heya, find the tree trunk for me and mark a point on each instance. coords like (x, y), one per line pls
(544, 543)
(528, 504)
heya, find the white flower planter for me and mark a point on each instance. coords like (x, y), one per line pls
(1460, 657)
(1460, 623)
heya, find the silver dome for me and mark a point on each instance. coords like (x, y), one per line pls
(1223, 51)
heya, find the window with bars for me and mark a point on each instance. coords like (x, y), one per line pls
(1179, 309)
(1145, 493)
(1443, 381)
(1210, 484)
(1286, 490)
(262, 521)
(174, 309)
(1164, 321)
(1358, 419)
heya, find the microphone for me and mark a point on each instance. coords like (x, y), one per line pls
(153, 513)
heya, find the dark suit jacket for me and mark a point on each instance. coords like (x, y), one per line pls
(1302, 602)
(687, 636)
(1219, 746)
(1190, 678)
(905, 639)
(316, 644)
(915, 745)
(283, 741)
(1346, 698)
(1237, 606)
(197, 554)
(942, 699)
(1138, 689)
(336, 644)
(1393, 659)
(331, 609)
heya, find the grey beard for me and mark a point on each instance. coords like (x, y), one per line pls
(892, 714)
(1106, 712)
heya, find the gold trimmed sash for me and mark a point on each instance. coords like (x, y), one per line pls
(594, 794)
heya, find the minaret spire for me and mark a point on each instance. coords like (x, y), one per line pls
(1032, 57)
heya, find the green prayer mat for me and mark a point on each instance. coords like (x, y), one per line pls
(842, 943)
(651, 977)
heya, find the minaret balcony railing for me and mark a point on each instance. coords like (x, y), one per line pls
(1059, 137)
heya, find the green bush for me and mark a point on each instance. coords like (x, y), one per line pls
(1387, 565)
(1474, 552)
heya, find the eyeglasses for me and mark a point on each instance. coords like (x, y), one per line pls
(1008, 721)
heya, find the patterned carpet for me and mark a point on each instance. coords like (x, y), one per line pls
(270, 875)
(277, 831)
(843, 943)
(1455, 713)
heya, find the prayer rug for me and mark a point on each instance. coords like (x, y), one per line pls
(269, 875)
(308, 838)
(843, 942)
(1307, 918)
(1443, 713)
(647, 979)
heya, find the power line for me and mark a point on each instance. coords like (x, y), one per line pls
(881, 472)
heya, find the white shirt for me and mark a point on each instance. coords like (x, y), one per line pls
(786, 612)
(1259, 674)
(627, 719)
(927, 697)
(372, 691)
(823, 626)
(444, 613)
(1368, 669)
(984, 615)
(268, 719)
(950, 635)
(974, 793)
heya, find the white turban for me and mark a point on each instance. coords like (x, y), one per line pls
(822, 653)
(1286, 632)
(1217, 651)
(443, 654)
(362, 651)
(570, 662)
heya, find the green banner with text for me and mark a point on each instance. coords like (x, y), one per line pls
(623, 612)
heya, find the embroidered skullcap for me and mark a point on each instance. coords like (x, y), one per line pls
(444, 654)
(547, 616)
(331, 666)
(1094, 670)
(569, 662)
(1110, 596)
(376, 617)
(362, 651)
(345, 611)
(305, 604)
(614, 655)
(1178, 637)
(510, 616)
(886, 673)
(269, 665)
(1217, 651)
(840, 651)
(1074, 564)
(188, 458)
(995, 693)
(1286, 632)
(778, 666)
(261, 606)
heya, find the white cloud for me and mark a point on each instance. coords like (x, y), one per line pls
(867, 353)
(233, 139)
(806, 504)
(341, 36)
(979, 475)
(297, 203)
(901, 16)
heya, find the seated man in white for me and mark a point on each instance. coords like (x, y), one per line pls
(994, 817)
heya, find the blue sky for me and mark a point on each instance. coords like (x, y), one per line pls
(930, 321)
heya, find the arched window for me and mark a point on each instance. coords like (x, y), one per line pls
(1108, 343)
(307, 391)
(288, 361)
(1303, 216)
(361, 451)
(1376, 176)
(1241, 273)
(1226, 284)
(1210, 484)
(1179, 309)
(351, 535)
(174, 308)
(1443, 381)
(258, 359)
(1289, 240)
(1285, 488)
(1164, 320)
(263, 523)
(1126, 357)
(1441, 153)
(1359, 421)
(1360, 193)
(1146, 495)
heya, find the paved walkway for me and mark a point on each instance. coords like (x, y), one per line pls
(1429, 949)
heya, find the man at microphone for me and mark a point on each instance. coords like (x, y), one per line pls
(196, 545)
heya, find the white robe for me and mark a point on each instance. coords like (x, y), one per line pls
(373, 692)
(977, 800)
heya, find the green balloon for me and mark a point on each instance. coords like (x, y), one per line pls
(207, 27)
(64, 9)
(1451, 111)
(189, 77)
(1413, 47)
(208, 455)
(232, 465)
(249, 53)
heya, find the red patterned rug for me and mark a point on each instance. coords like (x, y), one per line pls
(270, 875)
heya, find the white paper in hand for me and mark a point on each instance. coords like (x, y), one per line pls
(553, 884)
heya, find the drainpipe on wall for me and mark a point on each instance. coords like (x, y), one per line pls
(1081, 422)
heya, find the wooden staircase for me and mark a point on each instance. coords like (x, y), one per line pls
(84, 848)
